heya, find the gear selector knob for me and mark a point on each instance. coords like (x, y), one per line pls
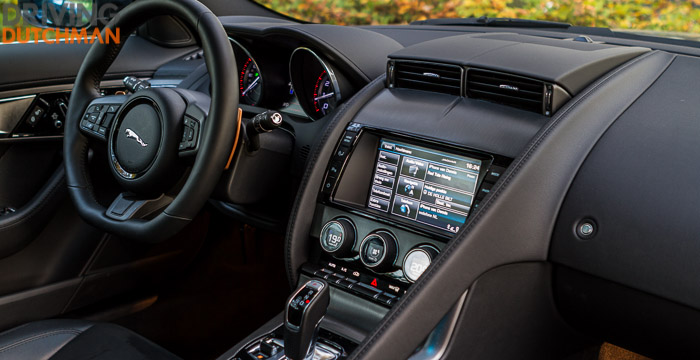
(304, 311)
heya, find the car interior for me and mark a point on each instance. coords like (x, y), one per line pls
(226, 182)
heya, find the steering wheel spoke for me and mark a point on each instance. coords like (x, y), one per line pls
(129, 206)
(99, 115)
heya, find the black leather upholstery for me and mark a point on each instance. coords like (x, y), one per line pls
(75, 339)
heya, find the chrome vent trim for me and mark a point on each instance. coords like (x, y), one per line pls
(427, 76)
(509, 89)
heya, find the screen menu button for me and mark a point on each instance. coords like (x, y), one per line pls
(378, 204)
(389, 158)
(409, 187)
(405, 207)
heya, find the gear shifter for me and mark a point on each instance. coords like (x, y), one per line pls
(305, 309)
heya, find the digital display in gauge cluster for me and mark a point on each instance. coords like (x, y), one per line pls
(423, 185)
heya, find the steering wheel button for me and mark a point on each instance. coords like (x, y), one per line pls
(100, 117)
(108, 120)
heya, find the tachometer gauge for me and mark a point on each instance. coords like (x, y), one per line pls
(250, 80)
(316, 83)
(250, 83)
(324, 94)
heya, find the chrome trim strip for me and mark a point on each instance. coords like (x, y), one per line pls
(12, 110)
(16, 98)
(436, 344)
(55, 88)
(31, 138)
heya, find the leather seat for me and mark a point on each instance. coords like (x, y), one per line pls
(75, 340)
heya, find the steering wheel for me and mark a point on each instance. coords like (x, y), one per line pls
(154, 136)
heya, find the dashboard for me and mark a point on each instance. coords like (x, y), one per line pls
(429, 158)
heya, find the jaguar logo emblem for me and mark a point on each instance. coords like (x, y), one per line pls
(131, 134)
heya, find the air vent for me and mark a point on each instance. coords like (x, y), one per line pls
(509, 89)
(426, 76)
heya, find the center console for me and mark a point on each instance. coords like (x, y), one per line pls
(388, 204)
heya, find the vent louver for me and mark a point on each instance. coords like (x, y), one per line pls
(426, 76)
(508, 89)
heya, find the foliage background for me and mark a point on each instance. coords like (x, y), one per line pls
(673, 17)
(655, 15)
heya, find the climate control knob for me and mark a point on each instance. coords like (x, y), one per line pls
(378, 251)
(338, 237)
(417, 261)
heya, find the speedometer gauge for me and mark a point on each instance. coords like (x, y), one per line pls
(250, 83)
(324, 94)
(316, 83)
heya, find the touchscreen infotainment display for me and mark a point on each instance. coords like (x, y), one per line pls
(423, 185)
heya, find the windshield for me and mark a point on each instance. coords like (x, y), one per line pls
(669, 18)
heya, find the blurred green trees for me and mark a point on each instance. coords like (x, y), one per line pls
(656, 15)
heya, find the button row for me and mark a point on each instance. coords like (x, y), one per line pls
(98, 118)
(190, 133)
(357, 287)
(339, 157)
(492, 176)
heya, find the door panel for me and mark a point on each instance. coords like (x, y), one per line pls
(25, 167)
(51, 261)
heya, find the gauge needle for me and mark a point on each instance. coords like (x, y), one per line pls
(324, 96)
(251, 86)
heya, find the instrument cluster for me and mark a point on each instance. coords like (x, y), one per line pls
(307, 85)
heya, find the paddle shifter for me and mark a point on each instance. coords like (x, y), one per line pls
(305, 309)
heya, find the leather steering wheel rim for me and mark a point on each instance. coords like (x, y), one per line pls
(217, 134)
